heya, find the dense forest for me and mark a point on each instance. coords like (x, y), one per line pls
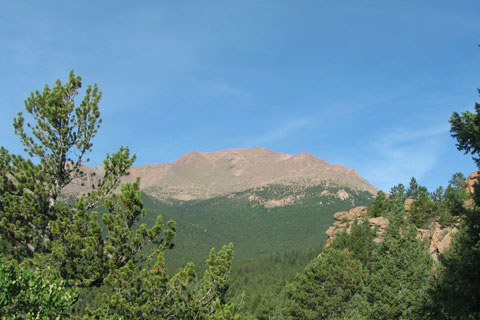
(103, 255)
(254, 229)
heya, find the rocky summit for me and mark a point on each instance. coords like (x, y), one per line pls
(198, 175)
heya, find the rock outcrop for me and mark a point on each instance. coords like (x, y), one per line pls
(471, 181)
(346, 219)
(438, 237)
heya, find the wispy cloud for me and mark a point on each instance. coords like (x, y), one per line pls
(403, 153)
(282, 131)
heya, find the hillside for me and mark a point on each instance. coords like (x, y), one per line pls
(255, 228)
(264, 202)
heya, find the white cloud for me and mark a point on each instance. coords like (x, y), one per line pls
(281, 131)
(402, 153)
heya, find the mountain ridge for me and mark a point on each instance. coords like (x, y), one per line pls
(203, 175)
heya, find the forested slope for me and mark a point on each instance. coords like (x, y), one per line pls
(255, 230)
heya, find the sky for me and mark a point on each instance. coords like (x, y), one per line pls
(367, 84)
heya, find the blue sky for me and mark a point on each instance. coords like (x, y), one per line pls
(367, 84)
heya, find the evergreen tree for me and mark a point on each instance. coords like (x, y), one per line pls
(32, 293)
(398, 195)
(41, 229)
(380, 206)
(465, 128)
(422, 208)
(456, 195)
(399, 192)
(355, 278)
(147, 294)
(326, 288)
(413, 189)
(457, 295)
(438, 196)
(359, 241)
(399, 275)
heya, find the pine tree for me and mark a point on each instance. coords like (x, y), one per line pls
(359, 241)
(456, 195)
(40, 228)
(398, 191)
(422, 208)
(457, 295)
(356, 278)
(413, 189)
(399, 275)
(33, 293)
(380, 206)
(326, 288)
(465, 128)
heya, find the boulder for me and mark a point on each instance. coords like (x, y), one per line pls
(359, 211)
(471, 181)
(340, 215)
(342, 194)
(408, 204)
(380, 222)
(441, 238)
(330, 231)
(424, 233)
(445, 243)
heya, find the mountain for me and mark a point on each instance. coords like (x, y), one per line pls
(264, 202)
(197, 175)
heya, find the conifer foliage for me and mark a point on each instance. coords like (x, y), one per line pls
(327, 286)
(458, 289)
(41, 229)
(356, 278)
(33, 293)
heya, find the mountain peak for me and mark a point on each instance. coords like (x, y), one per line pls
(193, 157)
(201, 175)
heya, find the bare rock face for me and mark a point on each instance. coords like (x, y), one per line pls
(381, 225)
(408, 204)
(199, 175)
(440, 238)
(470, 184)
(359, 211)
(471, 181)
(437, 237)
(344, 221)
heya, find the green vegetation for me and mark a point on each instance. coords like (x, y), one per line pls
(106, 255)
(326, 287)
(33, 293)
(271, 244)
(113, 254)
(254, 229)
(446, 205)
(358, 278)
(457, 292)
(257, 284)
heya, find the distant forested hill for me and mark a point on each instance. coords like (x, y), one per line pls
(259, 222)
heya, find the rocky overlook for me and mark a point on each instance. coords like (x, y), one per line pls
(438, 237)
(198, 175)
